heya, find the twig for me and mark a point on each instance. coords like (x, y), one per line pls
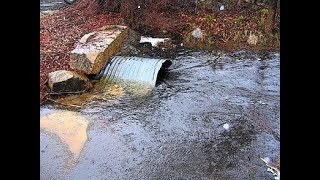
(72, 105)
(276, 170)
(57, 93)
(43, 51)
(41, 102)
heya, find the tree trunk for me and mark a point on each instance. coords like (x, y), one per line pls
(271, 17)
(274, 14)
(268, 25)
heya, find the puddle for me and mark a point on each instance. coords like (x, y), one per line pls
(69, 126)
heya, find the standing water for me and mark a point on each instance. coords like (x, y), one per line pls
(51, 4)
(209, 117)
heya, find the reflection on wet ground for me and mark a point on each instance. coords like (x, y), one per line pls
(177, 131)
(69, 126)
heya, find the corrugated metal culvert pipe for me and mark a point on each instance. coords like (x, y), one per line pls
(139, 70)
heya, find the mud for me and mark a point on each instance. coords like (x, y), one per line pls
(176, 131)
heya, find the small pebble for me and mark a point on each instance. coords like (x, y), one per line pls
(226, 126)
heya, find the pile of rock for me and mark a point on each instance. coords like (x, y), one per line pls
(90, 55)
(94, 51)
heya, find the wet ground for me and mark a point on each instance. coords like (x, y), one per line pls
(178, 130)
(51, 4)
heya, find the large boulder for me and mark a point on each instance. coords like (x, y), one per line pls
(68, 81)
(96, 48)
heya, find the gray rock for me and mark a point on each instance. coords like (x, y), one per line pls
(145, 47)
(128, 50)
(130, 44)
(133, 38)
(197, 33)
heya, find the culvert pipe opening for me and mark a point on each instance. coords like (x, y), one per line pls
(135, 69)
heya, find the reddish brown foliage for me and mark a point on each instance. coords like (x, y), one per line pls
(154, 17)
(60, 32)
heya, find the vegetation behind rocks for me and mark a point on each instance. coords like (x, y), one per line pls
(240, 24)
